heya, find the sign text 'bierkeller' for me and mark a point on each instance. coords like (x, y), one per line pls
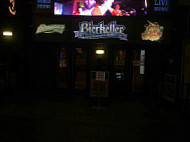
(87, 30)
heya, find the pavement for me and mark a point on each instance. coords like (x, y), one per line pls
(58, 117)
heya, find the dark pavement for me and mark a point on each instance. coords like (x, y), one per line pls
(49, 117)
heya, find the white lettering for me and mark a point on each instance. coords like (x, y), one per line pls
(121, 29)
(117, 29)
(89, 31)
(84, 27)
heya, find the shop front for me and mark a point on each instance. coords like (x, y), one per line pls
(94, 64)
(99, 55)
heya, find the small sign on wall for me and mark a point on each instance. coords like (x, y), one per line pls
(153, 32)
(161, 5)
(51, 28)
(99, 84)
(100, 75)
(44, 4)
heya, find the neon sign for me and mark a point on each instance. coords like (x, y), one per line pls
(87, 30)
(12, 7)
(100, 7)
(52, 28)
(153, 32)
(44, 4)
(161, 5)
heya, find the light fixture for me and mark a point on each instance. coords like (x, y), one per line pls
(100, 52)
(7, 33)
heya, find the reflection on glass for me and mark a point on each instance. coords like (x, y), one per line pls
(80, 69)
(142, 60)
(119, 64)
(138, 69)
(62, 72)
(63, 58)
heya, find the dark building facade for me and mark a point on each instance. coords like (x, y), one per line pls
(137, 52)
(72, 58)
(12, 45)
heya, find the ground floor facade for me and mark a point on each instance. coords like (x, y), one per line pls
(66, 54)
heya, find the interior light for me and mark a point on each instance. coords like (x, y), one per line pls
(100, 52)
(7, 33)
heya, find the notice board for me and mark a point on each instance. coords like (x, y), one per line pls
(99, 83)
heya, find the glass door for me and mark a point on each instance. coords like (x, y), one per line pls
(62, 76)
(72, 68)
(119, 73)
(138, 70)
(79, 68)
(119, 64)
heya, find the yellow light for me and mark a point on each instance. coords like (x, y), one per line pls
(100, 52)
(7, 33)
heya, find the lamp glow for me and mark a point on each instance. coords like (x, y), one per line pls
(7, 33)
(100, 52)
(145, 3)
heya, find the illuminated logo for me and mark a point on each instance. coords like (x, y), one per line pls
(153, 32)
(44, 4)
(12, 7)
(87, 30)
(52, 28)
(161, 5)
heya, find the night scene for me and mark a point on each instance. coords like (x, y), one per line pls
(94, 70)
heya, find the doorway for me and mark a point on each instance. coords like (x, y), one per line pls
(72, 68)
(126, 67)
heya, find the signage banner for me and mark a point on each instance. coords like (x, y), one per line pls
(51, 28)
(87, 30)
(161, 5)
(153, 32)
(44, 4)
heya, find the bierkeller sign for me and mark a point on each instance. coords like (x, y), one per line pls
(87, 30)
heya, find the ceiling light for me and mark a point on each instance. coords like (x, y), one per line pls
(7, 33)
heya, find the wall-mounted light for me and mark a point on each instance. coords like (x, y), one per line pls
(100, 52)
(7, 33)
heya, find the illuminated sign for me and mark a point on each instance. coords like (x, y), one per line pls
(12, 7)
(87, 30)
(44, 1)
(153, 32)
(100, 7)
(52, 28)
(58, 8)
(161, 5)
(44, 4)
